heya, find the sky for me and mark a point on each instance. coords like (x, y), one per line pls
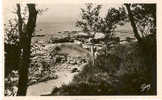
(60, 15)
(58, 12)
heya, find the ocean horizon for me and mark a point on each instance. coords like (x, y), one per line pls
(55, 27)
(52, 28)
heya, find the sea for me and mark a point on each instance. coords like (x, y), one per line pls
(51, 28)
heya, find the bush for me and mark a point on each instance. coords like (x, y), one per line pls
(125, 71)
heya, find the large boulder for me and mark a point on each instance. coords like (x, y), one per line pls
(99, 35)
(82, 35)
(60, 39)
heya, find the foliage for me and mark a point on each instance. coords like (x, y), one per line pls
(11, 32)
(12, 56)
(12, 43)
(113, 18)
(131, 76)
(90, 18)
(91, 21)
(12, 50)
(145, 18)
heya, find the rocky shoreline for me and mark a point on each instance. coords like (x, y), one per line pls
(46, 59)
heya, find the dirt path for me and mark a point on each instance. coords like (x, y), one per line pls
(64, 73)
(45, 88)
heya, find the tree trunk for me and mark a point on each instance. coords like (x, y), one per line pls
(92, 54)
(92, 49)
(25, 41)
(136, 34)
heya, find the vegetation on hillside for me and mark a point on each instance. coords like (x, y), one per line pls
(123, 69)
(114, 67)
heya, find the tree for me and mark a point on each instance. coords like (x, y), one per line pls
(143, 19)
(90, 18)
(113, 18)
(143, 16)
(136, 34)
(25, 33)
(90, 22)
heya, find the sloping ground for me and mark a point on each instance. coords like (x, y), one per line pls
(72, 60)
(125, 70)
(45, 88)
(73, 50)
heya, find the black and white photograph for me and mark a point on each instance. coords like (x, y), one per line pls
(80, 49)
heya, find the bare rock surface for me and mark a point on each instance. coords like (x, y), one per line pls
(55, 66)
